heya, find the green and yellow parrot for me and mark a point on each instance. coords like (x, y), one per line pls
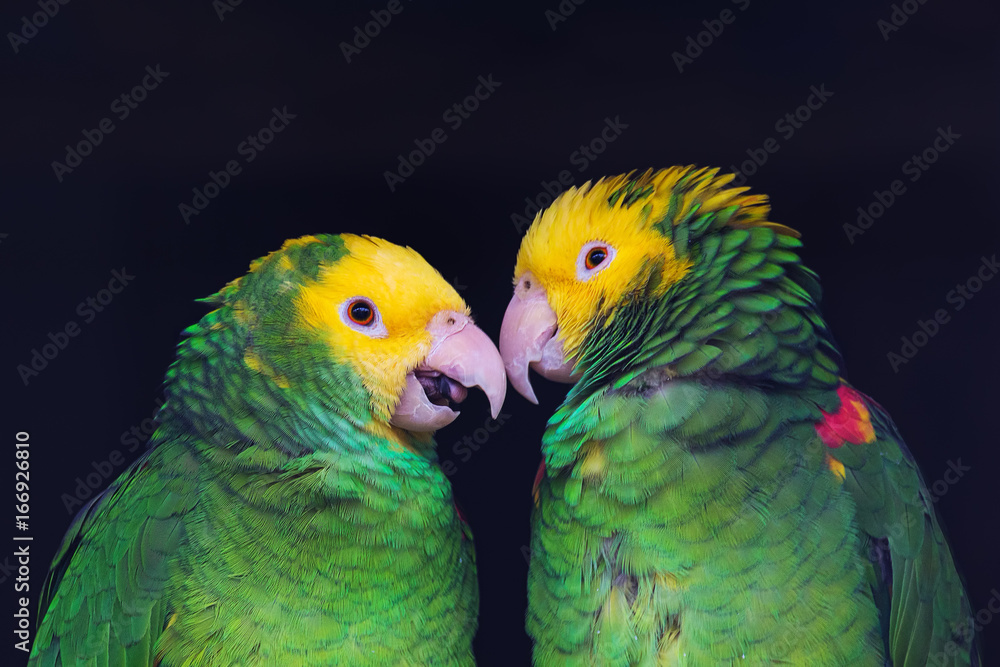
(713, 491)
(290, 510)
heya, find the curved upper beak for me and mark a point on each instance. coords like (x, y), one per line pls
(461, 356)
(528, 339)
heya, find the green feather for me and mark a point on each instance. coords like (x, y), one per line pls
(691, 513)
(266, 524)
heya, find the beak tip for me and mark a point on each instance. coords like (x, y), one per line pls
(497, 400)
(530, 395)
(522, 383)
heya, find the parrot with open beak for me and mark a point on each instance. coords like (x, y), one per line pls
(290, 509)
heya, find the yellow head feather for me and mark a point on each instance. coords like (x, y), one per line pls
(551, 248)
(406, 290)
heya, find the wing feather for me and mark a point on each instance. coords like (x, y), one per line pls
(929, 614)
(101, 602)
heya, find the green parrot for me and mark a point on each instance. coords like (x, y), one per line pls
(712, 491)
(290, 509)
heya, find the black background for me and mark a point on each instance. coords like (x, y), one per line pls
(325, 173)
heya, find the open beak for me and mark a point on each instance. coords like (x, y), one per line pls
(461, 356)
(528, 339)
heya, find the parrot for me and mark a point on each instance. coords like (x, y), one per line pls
(289, 509)
(713, 491)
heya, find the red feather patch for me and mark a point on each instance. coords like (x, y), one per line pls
(466, 529)
(850, 423)
(538, 480)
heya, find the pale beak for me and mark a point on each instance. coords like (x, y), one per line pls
(528, 339)
(461, 356)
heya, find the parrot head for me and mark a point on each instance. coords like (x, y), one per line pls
(341, 329)
(667, 266)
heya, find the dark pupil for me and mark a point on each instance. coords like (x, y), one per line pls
(360, 312)
(596, 257)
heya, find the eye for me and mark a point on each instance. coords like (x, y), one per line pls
(595, 257)
(361, 312)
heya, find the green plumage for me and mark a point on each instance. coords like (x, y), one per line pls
(267, 525)
(689, 513)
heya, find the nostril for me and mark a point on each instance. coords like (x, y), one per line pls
(447, 322)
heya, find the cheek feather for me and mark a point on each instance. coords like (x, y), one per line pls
(256, 364)
(381, 362)
(576, 301)
(405, 290)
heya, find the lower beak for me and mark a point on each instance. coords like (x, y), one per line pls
(528, 339)
(461, 356)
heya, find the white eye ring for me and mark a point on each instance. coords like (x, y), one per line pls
(585, 267)
(371, 324)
